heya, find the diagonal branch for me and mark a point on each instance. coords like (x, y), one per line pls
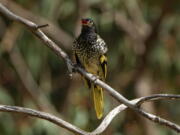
(61, 54)
(55, 32)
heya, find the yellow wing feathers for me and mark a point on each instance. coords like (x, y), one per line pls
(103, 63)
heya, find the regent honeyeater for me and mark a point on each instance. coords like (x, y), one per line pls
(90, 52)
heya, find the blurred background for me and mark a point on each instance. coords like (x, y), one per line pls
(143, 37)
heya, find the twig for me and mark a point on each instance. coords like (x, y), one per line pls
(60, 53)
(157, 97)
(42, 26)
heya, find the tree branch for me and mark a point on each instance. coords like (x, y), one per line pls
(112, 114)
(55, 32)
(60, 53)
(43, 115)
(158, 97)
(106, 121)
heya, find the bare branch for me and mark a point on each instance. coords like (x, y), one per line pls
(60, 53)
(106, 121)
(43, 115)
(55, 31)
(112, 114)
(42, 26)
(158, 97)
(22, 70)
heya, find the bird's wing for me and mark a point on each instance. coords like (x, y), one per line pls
(103, 64)
(102, 44)
(102, 58)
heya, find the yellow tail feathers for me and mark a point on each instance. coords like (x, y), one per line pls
(97, 94)
(98, 100)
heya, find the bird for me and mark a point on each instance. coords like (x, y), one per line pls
(89, 50)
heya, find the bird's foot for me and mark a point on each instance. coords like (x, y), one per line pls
(71, 68)
(94, 78)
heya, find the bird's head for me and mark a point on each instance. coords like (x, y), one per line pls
(88, 24)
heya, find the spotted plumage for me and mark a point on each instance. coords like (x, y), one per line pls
(90, 52)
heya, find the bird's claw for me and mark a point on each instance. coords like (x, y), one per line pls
(71, 68)
(94, 78)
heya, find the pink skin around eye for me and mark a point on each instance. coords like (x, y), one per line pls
(83, 21)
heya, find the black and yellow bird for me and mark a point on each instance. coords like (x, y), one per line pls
(90, 52)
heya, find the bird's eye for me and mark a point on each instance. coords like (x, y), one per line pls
(91, 22)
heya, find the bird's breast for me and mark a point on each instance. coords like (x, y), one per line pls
(92, 65)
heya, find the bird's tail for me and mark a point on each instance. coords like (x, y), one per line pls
(98, 100)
